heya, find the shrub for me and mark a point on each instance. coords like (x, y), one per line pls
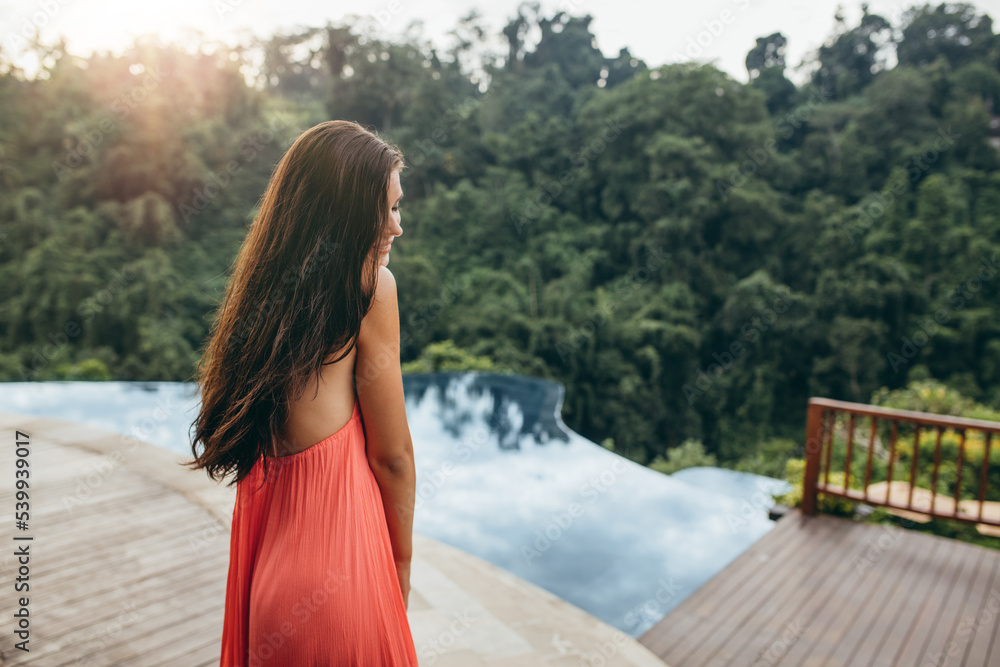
(795, 474)
(689, 454)
(446, 356)
(88, 369)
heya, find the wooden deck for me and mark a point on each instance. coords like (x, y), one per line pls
(827, 591)
(124, 568)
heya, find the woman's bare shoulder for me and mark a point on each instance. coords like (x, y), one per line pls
(382, 320)
(386, 282)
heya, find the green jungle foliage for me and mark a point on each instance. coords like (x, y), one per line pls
(691, 256)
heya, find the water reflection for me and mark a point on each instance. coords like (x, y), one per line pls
(511, 484)
(500, 476)
(518, 405)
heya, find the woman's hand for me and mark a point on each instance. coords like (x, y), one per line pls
(403, 573)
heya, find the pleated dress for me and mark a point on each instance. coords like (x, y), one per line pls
(312, 581)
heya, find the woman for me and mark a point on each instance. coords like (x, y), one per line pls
(302, 403)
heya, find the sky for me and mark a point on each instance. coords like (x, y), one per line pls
(719, 31)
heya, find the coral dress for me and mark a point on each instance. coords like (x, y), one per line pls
(312, 581)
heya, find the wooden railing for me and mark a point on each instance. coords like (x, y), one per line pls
(835, 465)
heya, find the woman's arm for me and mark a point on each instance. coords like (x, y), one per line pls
(389, 448)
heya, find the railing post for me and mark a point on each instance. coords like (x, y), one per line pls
(814, 449)
(821, 420)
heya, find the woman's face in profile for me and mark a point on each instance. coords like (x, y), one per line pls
(393, 229)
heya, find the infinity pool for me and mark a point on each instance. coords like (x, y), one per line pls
(500, 476)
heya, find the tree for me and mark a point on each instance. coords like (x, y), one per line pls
(766, 68)
(568, 43)
(954, 30)
(855, 56)
(689, 255)
(769, 52)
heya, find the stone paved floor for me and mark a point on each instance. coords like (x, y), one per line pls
(130, 552)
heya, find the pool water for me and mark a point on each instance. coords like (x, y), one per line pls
(500, 476)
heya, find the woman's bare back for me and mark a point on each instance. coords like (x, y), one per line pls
(316, 415)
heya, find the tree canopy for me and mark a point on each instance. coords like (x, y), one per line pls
(691, 256)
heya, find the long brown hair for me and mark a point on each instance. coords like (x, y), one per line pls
(302, 282)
